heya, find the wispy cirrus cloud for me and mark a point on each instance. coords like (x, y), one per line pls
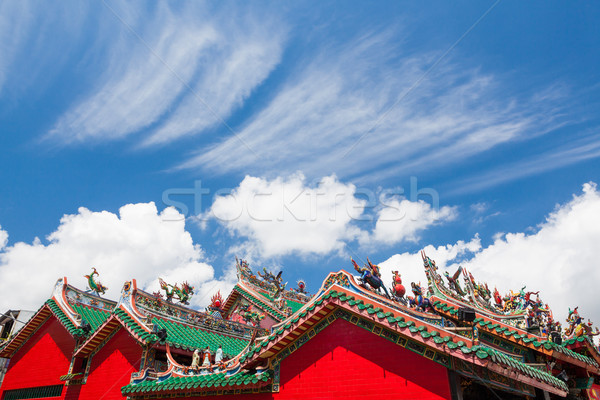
(172, 71)
(579, 150)
(35, 44)
(325, 107)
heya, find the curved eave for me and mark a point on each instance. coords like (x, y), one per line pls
(98, 337)
(49, 309)
(520, 337)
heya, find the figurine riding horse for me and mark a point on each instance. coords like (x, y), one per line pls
(419, 301)
(370, 274)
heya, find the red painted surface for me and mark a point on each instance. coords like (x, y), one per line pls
(341, 362)
(345, 361)
(42, 360)
(110, 370)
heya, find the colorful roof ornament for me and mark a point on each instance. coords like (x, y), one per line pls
(94, 286)
(183, 293)
(577, 328)
(301, 287)
(371, 276)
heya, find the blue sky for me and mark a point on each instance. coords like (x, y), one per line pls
(493, 105)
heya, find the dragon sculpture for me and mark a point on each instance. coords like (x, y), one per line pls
(369, 274)
(453, 282)
(249, 316)
(93, 285)
(183, 294)
(277, 285)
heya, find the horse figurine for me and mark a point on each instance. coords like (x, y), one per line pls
(369, 274)
(93, 285)
(419, 301)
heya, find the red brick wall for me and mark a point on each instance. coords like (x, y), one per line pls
(345, 361)
(111, 369)
(42, 360)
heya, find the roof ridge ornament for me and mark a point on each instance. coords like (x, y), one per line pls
(93, 285)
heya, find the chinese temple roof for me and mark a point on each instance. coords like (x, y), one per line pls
(188, 337)
(402, 328)
(242, 382)
(267, 292)
(71, 307)
(495, 341)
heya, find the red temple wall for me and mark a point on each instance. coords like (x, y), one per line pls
(42, 360)
(110, 370)
(345, 361)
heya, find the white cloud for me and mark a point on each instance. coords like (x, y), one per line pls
(577, 150)
(410, 264)
(35, 44)
(560, 258)
(402, 220)
(220, 55)
(283, 216)
(15, 19)
(241, 61)
(138, 243)
(339, 100)
(3, 238)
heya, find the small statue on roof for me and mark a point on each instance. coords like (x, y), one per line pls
(577, 327)
(370, 274)
(275, 281)
(453, 281)
(216, 302)
(498, 302)
(196, 360)
(243, 268)
(93, 285)
(249, 315)
(428, 262)
(397, 288)
(419, 301)
(183, 294)
(206, 357)
(301, 287)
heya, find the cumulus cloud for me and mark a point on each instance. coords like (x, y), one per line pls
(138, 243)
(559, 258)
(410, 264)
(402, 220)
(283, 216)
(3, 238)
